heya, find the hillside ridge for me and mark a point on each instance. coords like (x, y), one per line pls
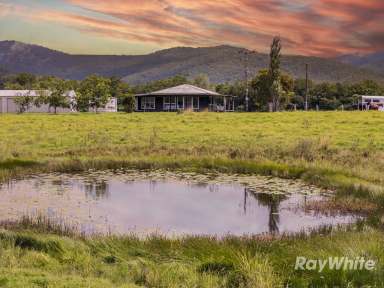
(220, 63)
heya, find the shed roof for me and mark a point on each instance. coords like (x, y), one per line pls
(184, 89)
(15, 93)
(33, 93)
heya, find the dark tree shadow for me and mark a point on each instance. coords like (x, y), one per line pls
(272, 201)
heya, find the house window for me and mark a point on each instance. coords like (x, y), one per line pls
(195, 103)
(170, 103)
(148, 103)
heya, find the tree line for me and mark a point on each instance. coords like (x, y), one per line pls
(92, 93)
(323, 96)
(269, 90)
(272, 90)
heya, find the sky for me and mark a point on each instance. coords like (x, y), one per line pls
(323, 28)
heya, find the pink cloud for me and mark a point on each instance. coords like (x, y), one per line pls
(321, 27)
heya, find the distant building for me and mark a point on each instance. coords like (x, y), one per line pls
(111, 106)
(184, 97)
(8, 105)
(372, 102)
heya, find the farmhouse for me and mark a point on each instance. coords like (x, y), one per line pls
(8, 105)
(184, 97)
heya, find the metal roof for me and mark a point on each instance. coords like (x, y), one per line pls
(33, 93)
(184, 89)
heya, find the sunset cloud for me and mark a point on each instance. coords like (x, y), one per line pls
(310, 27)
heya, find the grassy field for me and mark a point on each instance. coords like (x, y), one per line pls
(339, 150)
(342, 150)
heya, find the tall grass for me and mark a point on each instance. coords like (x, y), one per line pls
(30, 256)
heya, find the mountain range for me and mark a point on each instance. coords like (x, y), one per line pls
(220, 63)
(374, 61)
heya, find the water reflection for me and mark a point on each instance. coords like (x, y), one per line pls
(272, 201)
(122, 204)
(97, 189)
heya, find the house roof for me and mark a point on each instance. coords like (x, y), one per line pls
(184, 89)
(33, 93)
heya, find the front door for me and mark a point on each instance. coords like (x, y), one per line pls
(188, 102)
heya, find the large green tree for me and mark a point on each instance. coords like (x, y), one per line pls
(261, 85)
(24, 102)
(93, 93)
(274, 73)
(262, 93)
(55, 95)
(128, 102)
(123, 92)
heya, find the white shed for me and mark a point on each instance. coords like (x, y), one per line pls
(8, 105)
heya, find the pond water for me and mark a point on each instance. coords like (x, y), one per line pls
(167, 203)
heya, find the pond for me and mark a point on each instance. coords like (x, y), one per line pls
(167, 203)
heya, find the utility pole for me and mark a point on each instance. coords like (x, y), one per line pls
(306, 87)
(246, 81)
(244, 55)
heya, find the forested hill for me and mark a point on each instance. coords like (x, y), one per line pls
(221, 64)
(374, 61)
